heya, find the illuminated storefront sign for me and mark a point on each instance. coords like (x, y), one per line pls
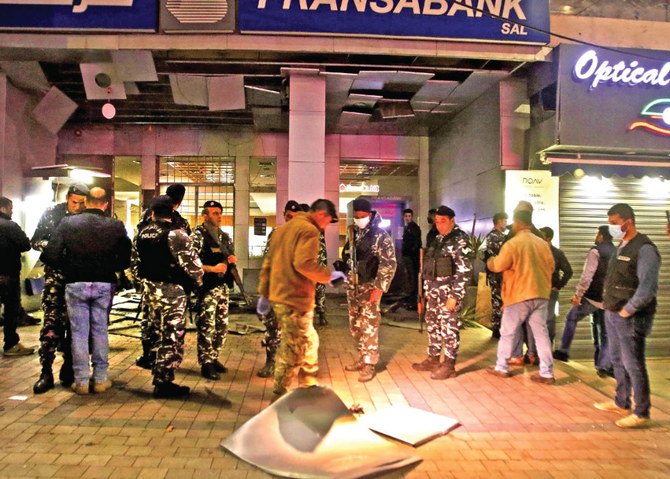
(358, 188)
(589, 67)
(517, 21)
(136, 15)
(656, 110)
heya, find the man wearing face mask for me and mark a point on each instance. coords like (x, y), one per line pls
(370, 276)
(446, 271)
(287, 285)
(629, 298)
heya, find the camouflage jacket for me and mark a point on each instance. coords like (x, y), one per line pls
(47, 224)
(457, 246)
(491, 247)
(199, 241)
(382, 248)
(178, 221)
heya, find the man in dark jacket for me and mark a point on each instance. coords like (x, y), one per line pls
(176, 193)
(13, 242)
(411, 246)
(629, 298)
(588, 300)
(55, 332)
(89, 249)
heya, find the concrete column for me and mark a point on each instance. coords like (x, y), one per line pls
(241, 214)
(149, 171)
(307, 132)
(423, 195)
(332, 192)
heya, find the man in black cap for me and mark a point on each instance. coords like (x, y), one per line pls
(169, 266)
(216, 252)
(55, 333)
(370, 258)
(272, 337)
(176, 194)
(13, 242)
(446, 272)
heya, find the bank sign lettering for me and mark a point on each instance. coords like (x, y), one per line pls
(135, 15)
(514, 21)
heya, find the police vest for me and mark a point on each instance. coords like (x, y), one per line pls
(367, 262)
(437, 264)
(621, 280)
(211, 255)
(605, 253)
(156, 260)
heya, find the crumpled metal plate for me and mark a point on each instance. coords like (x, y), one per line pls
(310, 433)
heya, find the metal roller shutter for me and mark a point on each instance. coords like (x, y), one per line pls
(583, 207)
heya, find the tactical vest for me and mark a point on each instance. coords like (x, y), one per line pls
(435, 263)
(605, 253)
(367, 262)
(621, 280)
(211, 255)
(156, 260)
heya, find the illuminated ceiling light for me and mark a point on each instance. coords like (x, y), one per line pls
(656, 187)
(567, 9)
(595, 185)
(83, 176)
(579, 173)
(108, 111)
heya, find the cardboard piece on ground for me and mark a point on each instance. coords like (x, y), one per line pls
(311, 433)
(410, 425)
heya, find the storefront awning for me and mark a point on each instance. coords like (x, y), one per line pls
(610, 167)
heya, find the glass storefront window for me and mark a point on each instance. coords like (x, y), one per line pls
(262, 202)
(205, 178)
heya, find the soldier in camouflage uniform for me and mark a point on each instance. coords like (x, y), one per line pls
(55, 332)
(217, 255)
(169, 266)
(287, 278)
(272, 336)
(446, 272)
(492, 244)
(148, 335)
(320, 309)
(370, 276)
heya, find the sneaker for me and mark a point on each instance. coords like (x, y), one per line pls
(498, 372)
(101, 387)
(532, 360)
(605, 373)
(515, 361)
(561, 356)
(633, 421)
(611, 406)
(80, 389)
(541, 379)
(19, 350)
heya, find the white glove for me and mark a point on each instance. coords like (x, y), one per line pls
(336, 277)
(263, 306)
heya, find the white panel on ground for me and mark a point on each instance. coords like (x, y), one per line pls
(410, 425)
(311, 433)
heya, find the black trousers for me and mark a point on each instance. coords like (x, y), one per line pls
(10, 297)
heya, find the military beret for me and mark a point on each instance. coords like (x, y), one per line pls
(77, 189)
(361, 204)
(293, 206)
(212, 204)
(445, 211)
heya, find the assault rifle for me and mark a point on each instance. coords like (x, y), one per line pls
(420, 299)
(354, 259)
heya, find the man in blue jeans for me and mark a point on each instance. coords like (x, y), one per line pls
(588, 300)
(89, 248)
(631, 286)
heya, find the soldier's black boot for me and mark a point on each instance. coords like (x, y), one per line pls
(446, 370)
(146, 361)
(209, 371)
(322, 319)
(169, 390)
(269, 369)
(220, 368)
(45, 382)
(66, 374)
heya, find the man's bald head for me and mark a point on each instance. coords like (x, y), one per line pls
(97, 198)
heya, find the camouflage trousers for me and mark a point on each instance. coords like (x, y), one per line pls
(496, 301)
(167, 303)
(272, 336)
(364, 318)
(320, 299)
(148, 332)
(298, 353)
(442, 325)
(211, 323)
(55, 332)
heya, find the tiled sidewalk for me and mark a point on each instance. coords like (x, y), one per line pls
(511, 427)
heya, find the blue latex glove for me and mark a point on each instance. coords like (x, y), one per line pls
(263, 306)
(336, 277)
